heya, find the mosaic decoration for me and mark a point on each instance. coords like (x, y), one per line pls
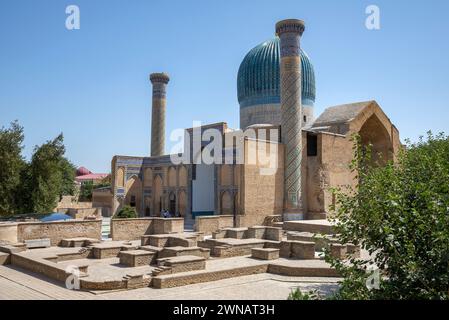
(258, 79)
(291, 113)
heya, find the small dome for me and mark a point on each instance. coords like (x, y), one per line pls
(82, 171)
(258, 80)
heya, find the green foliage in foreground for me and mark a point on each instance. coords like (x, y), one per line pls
(34, 186)
(400, 214)
(126, 212)
(11, 166)
(297, 294)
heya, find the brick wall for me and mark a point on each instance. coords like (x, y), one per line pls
(262, 192)
(58, 230)
(130, 229)
(209, 224)
(133, 229)
(8, 232)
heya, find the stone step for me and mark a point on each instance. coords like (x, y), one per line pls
(161, 270)
(38, 243)
(321, 241)
(183, 263)
(312, 226)
(136, 258)
(78, 242)
(180, 251)
(307, 268)
(186, 278)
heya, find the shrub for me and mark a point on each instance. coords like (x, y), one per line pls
(399, 213)
(126, 212)
(297, 294)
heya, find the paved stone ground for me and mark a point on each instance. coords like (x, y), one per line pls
(17, 283)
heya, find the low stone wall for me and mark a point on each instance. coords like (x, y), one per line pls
(58, 230)
(8, 232)
(42, 266)
(167, 225)
(246, 220)
(209, 224)
(130, 229)
(134, 228)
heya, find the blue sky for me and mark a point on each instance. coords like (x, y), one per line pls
(92, 84)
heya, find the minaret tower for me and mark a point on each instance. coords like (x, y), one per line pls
(159, 81)
(290, 32)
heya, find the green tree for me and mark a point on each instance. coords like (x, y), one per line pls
(126, 212)
(46, 181)
(399, 212)
(86, 191)
(11, 165)
(68, 177)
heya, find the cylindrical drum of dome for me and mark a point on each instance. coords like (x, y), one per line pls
(290, 32)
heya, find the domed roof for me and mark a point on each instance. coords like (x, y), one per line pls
(258, 80)
(82, 171)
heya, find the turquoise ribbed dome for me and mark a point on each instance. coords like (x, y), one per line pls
(259, 74)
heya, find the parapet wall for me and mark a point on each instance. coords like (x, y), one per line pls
(133, 229)
(8, 232)
(209, 224)
(58, 230)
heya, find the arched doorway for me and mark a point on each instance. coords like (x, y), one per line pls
(374, 133)
(157, 199)
(182, 203)
(134, 193)
(147, 206)
(172, 204)
(226, 203)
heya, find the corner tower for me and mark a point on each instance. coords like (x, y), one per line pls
(290, 32)
(159, 82)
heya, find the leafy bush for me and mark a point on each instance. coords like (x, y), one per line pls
(126, 212)
(297, 294)
(400, 214)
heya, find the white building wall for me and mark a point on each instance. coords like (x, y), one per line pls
(203, 190)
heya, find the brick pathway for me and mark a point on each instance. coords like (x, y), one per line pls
(17, 283)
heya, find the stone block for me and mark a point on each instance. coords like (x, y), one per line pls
(151, 248)
(183, 263)
(338, 250)
(181, 241)
(136, 258)
(353, 250)
(103, 252)
(285, 249)
(180, 251)
(273, 233)
(4, 258)
(9, 248)
(237, 233)
(265, 253)
(157, 240)
(220, 234)
(278, 224)
(78, 242)
(38, 243)
(257, 232)
(321, 241)
(302, 250)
